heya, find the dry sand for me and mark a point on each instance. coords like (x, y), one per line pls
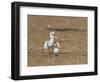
(72, 37)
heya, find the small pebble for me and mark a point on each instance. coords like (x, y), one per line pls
(49, 26)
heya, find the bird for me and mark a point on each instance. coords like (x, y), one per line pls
(49, 43)
(56, 49)
(52, 43)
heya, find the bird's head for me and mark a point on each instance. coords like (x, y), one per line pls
(52, 34)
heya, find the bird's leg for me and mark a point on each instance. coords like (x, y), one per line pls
(50, 51)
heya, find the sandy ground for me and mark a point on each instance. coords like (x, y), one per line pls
(72, 36)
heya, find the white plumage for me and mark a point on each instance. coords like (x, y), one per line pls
(45, 45)
(51, 43)
(56, 51)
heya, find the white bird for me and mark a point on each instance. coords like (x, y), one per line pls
(51, 43)
(56, 48)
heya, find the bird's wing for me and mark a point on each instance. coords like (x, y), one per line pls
(46, 45)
